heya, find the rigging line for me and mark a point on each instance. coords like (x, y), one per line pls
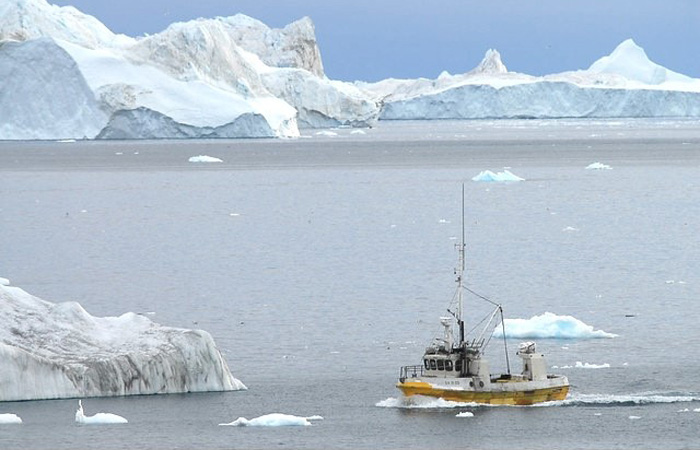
(505, 340)
(482, 297)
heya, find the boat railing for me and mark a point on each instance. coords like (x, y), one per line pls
(410, 372)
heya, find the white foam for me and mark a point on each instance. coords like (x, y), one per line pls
(506, 175)
(273, 420)
(204, 159)
(421, 402)
(643, 398)
(549, 325)
(9, 419)
(598, 166)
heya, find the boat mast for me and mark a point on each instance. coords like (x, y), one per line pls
(460, 279)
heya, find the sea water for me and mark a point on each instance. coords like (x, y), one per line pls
(321, 265)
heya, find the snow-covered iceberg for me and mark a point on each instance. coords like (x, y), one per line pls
(58, 350)
(222, 77)
(550, 325)
(624, 84)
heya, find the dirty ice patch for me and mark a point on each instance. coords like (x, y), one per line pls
(204, 159)
(273, 420)
(598, 166)
(506, 175)
(550, 326)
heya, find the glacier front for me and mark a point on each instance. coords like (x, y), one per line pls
(58, 350)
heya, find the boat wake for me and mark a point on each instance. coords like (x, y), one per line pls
(574, 399)
(643, 398)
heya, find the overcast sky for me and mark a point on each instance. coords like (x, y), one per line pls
(375, 39)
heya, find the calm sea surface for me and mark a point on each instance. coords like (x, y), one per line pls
(321, 265)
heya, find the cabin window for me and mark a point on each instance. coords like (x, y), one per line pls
(448, 365)
(426, 364)
(433, 366)
(458, 365)
(440, 364)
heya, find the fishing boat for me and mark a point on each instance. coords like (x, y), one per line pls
(454, 367)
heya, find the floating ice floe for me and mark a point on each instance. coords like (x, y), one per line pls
(9, 419)
(568, 229)
(580, 365)
(204, 159)
(97, 419)
(549, 325)
(326, 133)
(465, 414)
(273, 420)
(506, 175)
(598, 166)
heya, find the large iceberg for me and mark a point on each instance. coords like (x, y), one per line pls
(67, 76)
(58, 350)
(624, 84)
(222, 77)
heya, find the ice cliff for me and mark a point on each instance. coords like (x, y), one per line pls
(58, 350)
(65, 75)
(222, 77)
(624, 84)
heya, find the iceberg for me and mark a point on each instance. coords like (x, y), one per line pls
(550, 326)
(58, 350)
(207, 78)
(273, 420)
(624, 84)
(506, 175)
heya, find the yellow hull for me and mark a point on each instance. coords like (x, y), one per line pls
(499, 397)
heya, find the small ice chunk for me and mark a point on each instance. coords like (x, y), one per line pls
(273, 420)
(598, 166)
(4, 282)
(97, 419)
(506, 175)
(9, 419)
(204, 159)
(580, 365)
(465, 414)
(326, 133)
(635, 417)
